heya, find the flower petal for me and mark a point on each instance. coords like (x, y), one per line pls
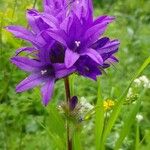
(109, 47)
(54, 6)
(76, 28)
(35, 21)
(93, 33)
(66, 24)
(112, 59)
(100, 43)
(104, 19)
(87, 67)
(22, 33)
(63, 72)
(47, 91)
(44, 40)
(94, 55)
(83, 9)
(58, 36)
(26, 64)
(70, 58)
(25, 49)
(50, 20)
(30, 82)
(59, 66)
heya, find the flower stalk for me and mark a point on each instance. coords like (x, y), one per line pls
(68, 97)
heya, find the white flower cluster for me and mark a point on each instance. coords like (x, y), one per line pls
(142, 81)
(85, 105)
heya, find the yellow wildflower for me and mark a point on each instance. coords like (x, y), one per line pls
(108, 104)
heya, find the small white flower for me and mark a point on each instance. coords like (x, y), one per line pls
(84, 107)
(86, 104)
(139, 117)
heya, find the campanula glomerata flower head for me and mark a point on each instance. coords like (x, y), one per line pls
(65, 38)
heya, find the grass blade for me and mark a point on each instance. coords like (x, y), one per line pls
(128, 122)
(77, 140)
(99, 118)
(117, 108)
(137, 137)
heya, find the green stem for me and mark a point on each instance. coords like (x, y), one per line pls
(137, 141)
(14, 9)
(34, 4)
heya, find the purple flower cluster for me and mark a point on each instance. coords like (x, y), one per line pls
(65, 38)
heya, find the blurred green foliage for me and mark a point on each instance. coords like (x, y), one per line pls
(25, 124)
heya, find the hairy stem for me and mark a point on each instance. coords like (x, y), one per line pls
(68, 97)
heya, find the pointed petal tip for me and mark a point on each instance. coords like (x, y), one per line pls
(12, 60)
(31, 11)
(47, 91)
(18, 90)
(95, 79)
(7, 28)
(116, 41)
(45, 103)
(113, 17)
(70, 58)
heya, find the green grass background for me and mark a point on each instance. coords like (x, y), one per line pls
(24, 121)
